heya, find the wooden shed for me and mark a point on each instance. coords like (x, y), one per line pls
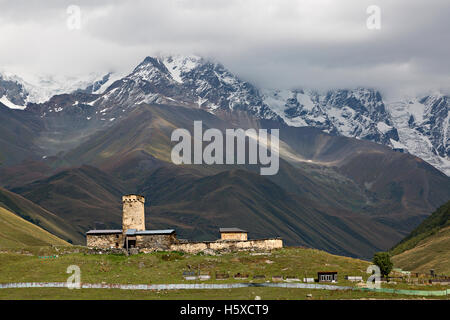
(327, 276)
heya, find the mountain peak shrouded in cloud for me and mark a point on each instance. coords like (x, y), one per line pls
(172, 65)
(416, 124)
(35, 88)
(277, 44)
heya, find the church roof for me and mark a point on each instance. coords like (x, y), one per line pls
(134, 232)
(104, 231)
(237, 230)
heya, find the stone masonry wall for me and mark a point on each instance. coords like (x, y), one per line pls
(104, 241)
(233, 236)
(133, 213)
(149, 243)
(196, 247)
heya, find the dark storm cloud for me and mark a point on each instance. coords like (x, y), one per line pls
(283, 43)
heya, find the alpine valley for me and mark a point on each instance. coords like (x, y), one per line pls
(357, 174)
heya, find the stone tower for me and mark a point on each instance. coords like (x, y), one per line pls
(133, 216)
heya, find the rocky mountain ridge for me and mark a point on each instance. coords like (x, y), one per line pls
(418, 125)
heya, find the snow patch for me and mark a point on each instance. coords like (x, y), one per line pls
(397, 145)
(113, 77)
(306, 101)
(383, 127)
(417, 110)
(178, 65)
(11, 105)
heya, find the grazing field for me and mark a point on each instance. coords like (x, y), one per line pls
(167, 267)
(29, 265)
(228, 294)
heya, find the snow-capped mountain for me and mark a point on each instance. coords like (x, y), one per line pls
(191, 81)
(423, 127)
(358, 113)
(12, 92)
(419, 126)
(98, 86)
(416, 125)
(17, 91)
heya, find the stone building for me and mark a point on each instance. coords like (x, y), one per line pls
(155, 239)
(233, 234)
(104, 238)
(134, 235)
(327, 276)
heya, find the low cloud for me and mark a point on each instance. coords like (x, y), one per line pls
(281, 43)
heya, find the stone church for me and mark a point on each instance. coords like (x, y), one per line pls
(133, 233)
(134, 236)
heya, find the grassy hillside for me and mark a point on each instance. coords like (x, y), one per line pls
(23, 173)
(167, 267)
(85, 197)
(428, 246)
(438, 220)
(432, 252)
(18, 132)
(39, 216)
(197, 206)
(17, 232)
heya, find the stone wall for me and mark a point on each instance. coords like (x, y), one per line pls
(104, 240)
(149, 243)
(233, 236)
(106, 251)
(196, 247)
(192, 247)
(169, 242)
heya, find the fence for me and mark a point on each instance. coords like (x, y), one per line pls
(183, 286)
(178, 286)
(409, 292)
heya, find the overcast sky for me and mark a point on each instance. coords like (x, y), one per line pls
(281, 43)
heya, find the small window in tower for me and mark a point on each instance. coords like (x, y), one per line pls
(117, 244)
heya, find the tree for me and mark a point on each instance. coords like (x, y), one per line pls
(383, 261)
